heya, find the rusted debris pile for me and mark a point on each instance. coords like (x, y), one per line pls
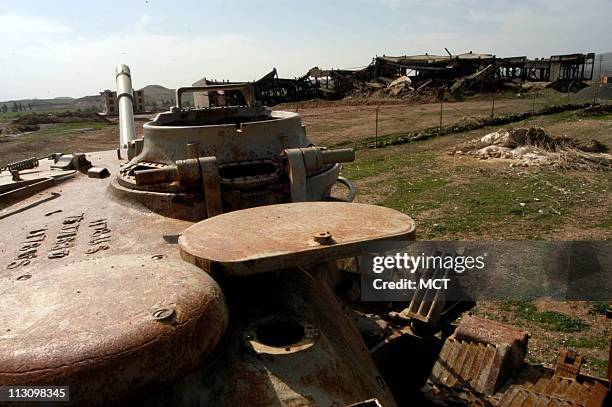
(534, 147)
(402, 87)
(483, 364)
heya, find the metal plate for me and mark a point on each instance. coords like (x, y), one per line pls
(280, 236)
(108, 327)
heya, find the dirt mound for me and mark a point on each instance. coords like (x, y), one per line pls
(603, 92)
(534, 147)
(61, 117)
(596, 110)
(20, 128)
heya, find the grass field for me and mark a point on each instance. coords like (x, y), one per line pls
(459, 197)
(449, 196)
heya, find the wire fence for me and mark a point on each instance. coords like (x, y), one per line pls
(389, 119)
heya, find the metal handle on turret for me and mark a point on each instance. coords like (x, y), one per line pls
(245, 88)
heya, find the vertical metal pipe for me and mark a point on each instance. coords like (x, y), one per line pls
(125, 100)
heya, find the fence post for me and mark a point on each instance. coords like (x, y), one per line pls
(441, 97)
(376, 134)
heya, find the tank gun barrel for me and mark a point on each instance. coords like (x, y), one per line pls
(125, 102)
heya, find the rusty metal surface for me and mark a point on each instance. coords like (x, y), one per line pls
(15, 195)
(568, 364)
(32, 175)
(108, 327)
(366, 403)
(30, 183)
(563, 386)
(76, 161)
(297, 175)
(482, 364)
(479, 329)
(328, 365)
(465, 364)
(166, 138)
(537, 385)
(281, 236)
(480, 356)
(191, 206)
(426, 305)
(247, 144)
(81, 219)
(555, 391)
(211, 186)
(98, 172)
(134, 229)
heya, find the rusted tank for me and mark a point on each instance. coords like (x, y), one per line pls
(97, 294)
(210, 264)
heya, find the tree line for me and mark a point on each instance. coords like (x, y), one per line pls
(16, 107)
(19, 107)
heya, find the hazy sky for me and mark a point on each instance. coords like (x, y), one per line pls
(70, 48)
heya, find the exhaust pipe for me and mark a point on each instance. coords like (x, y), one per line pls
(125, 101)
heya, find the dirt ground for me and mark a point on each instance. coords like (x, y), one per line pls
(450, 197)
(331, 124)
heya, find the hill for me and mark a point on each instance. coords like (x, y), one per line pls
(155, 95)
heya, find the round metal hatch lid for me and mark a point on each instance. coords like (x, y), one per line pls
(108, 327)
(274, 237)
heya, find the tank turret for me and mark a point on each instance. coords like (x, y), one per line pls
(217, 159)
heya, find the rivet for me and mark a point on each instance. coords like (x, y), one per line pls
(323, 238)
(163, 314)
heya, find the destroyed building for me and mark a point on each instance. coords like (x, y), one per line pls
(393, 76)
(479, 71)
(108, 99)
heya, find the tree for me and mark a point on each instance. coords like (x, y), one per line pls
(15, 108)
(4, 108)
(30, 106)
